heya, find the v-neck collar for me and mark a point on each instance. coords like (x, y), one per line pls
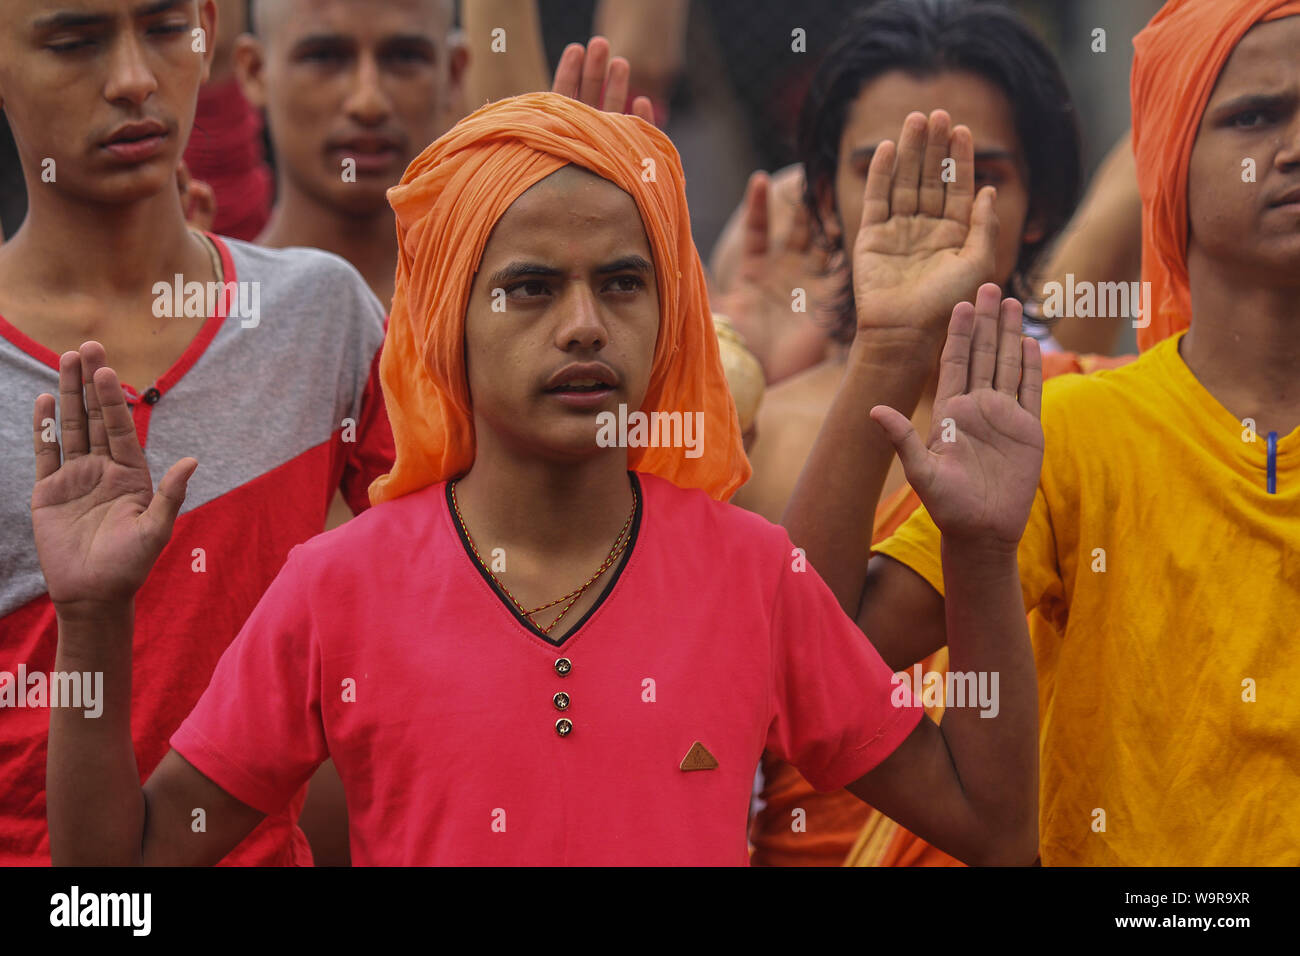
(615, 574)
(207, 332)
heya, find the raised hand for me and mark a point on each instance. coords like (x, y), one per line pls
(978, 472)
(923, 243)
(99, 526)
(773, 256)
(584, 73)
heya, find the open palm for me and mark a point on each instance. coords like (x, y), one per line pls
(925, 240)
(98, 524)
(979, 469)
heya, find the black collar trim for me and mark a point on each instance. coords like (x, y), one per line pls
(609, 585)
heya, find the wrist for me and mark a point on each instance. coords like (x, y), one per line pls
(95, 613)
(979, 551)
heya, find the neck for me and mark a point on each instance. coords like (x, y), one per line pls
(1244, 344)
(368, 241)
(112, 251)
(541, 506)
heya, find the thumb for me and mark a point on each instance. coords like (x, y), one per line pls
(166, 504)
(982, 238)
(911, 450)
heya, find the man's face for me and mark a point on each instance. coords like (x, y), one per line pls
(1250, 228)
(353, 90)
(578, 288)
(877, 115)
(101, 93)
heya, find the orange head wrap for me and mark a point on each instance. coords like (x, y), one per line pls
(1179, 56)
(447, 204)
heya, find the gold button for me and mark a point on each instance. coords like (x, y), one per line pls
(563, 666)
(564, 726)
(561, 701)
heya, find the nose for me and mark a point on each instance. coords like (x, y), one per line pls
(1288, 155)
(367, 104)
(130, 78)
(581, 327)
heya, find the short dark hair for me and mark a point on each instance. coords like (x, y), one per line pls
(926, 37)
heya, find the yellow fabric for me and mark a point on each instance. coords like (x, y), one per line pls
(1142, 667)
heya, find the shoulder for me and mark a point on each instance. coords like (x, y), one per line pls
(717, 524)
(312, 276)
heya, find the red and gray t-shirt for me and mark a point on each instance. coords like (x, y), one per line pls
(279, 414)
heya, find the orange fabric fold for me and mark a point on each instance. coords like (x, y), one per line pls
(1177, 61)
(447, 203)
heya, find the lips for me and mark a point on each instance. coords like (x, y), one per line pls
(371, 154)
(136, 142)
(585, 377)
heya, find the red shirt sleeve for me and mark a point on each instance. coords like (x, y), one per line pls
(257, 732)
(837, 710)
(374, 451)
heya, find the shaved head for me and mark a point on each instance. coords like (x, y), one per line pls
(269, 15)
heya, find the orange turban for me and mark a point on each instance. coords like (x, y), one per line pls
(1179, 56)
(447, 204)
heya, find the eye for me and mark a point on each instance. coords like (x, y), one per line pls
(628, 283)
(72, 46)
(170, 28)
(528, 289)
(1250, 119)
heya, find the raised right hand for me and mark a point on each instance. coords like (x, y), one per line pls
(978, 472)
(98, 524)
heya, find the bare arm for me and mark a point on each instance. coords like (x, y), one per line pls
(493, 75)
(901, 613)
(99, 527)
(922, 247)
(1102, 243)
(976, 774)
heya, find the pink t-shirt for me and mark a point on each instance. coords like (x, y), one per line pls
(381, 644)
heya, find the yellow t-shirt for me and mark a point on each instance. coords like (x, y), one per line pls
(1163, 585)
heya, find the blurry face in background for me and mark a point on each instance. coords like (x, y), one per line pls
(355, 86)
(578, 280)
(878, 114)
(106, 89)
(1250, 229)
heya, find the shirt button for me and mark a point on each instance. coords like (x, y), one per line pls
(561, 701)
(564, 726)
(563, 666)
(151, 396)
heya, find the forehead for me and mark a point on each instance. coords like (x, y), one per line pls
(361, 19)
(1267, 59)
(570, 209)
(25, 12)
(883, 103)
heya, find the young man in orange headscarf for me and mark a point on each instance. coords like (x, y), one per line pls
(526, 652)
(1159, 561)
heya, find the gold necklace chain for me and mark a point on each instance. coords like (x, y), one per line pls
(620, 545)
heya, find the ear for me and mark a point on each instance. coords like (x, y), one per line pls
(1035, 229)
(249, 59)
(208, 23)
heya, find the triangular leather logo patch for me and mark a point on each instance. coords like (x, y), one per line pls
(698, 758)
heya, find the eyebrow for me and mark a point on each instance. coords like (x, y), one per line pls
(517, 270)
(1256, 101)
(69, 19)
(981, 155)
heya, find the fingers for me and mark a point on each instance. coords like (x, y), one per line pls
(754, 234)
(911, 450)
(930, 198)
(593, 72)
(984, 338)
(92, 360)
(123, 443)
(72, 411)
(954, 364)
(960, 193)
(875, 200)
(568, 72)
(644, 108)
(800, 237)
(166, 504)
(47, 452)
(616, 85)
(907, 171)
(1007, 377)
(1031, 377)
